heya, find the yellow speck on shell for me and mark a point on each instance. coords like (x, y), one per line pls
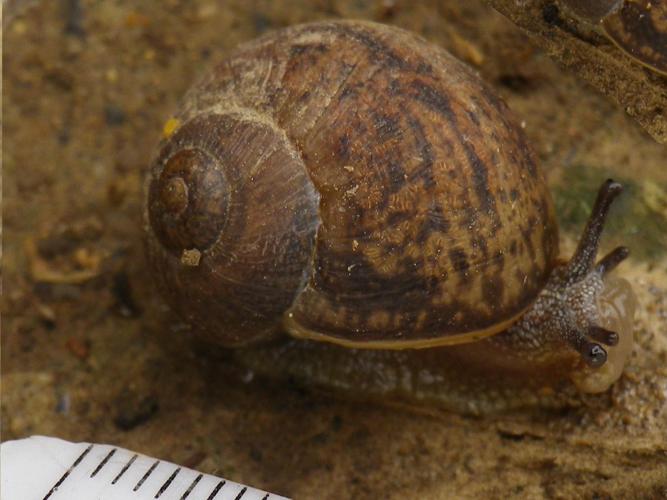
(191, 257)
(170, 127)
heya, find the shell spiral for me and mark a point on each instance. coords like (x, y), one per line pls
(350, 182)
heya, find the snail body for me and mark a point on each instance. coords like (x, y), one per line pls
(349, 182)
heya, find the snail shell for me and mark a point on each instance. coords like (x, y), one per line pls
(352, 183)
(637, 27)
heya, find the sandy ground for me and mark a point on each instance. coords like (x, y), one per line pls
(89, 352)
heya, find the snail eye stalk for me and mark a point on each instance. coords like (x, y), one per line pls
(584, 257)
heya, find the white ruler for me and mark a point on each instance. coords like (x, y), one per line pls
(44, 468)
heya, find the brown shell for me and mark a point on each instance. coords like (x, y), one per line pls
(638, 27)
(429, 221)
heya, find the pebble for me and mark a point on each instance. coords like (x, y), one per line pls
(79, 348)
(133, 410)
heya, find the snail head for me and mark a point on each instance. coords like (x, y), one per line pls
(569, 307)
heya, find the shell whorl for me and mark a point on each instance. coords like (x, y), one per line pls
(189, 201)
(234, 191)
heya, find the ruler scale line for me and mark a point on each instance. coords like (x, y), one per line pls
(103, 462)
(124, 469)
(69, 471)
(49, 468)
(145, 476)
(192, 486)
(166, 484)
(217, 488)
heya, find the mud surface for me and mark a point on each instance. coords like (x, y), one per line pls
(89, 352)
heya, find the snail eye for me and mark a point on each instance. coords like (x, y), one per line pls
(594, 354)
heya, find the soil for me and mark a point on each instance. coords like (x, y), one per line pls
(90, 352)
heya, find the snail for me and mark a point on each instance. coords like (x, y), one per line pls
(350, 183)
(637, 27)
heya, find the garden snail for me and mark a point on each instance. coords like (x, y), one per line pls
(351, 183)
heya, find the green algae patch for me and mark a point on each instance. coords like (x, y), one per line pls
(638, 219)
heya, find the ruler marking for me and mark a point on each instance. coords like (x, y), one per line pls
(217, 488)
(241, 493)
(192, 486)
(148, 473)
(68, 471)
(167, 483)
(124, 469)
(103, 463)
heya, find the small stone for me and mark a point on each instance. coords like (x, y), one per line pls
(47, 316)
(111, 75)
(126, 306)
(133, 410)
(77, 347)
(137, 20)
(113, 115)
(85, 258)
(20, 27)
